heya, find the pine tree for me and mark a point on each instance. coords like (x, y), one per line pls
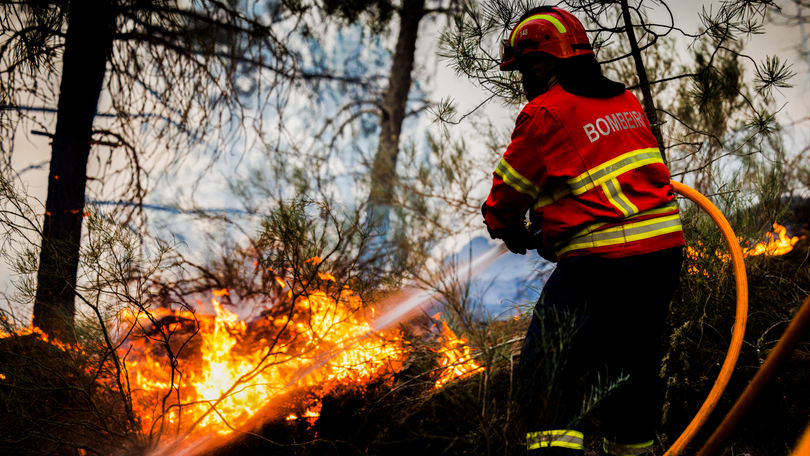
(171, 74)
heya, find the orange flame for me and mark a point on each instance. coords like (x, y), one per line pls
(313, 413)
(39, 334)
(221, 390)
(327, 276)
(774, 247)
(457, 363)
(31, 329)
(231, 372)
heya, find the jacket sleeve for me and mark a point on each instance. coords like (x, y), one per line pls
(517, 180)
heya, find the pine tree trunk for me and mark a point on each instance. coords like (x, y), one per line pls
(88, 44)
(383, 171)
(643, 80)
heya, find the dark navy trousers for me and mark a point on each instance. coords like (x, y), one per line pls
(597, 320)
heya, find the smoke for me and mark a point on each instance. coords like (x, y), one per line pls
(408, 305)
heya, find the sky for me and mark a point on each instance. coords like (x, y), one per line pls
(439, 82)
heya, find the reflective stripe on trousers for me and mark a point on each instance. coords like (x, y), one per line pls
(625, 449)
(564, 438)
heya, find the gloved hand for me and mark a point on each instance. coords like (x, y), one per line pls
(536, 243)
(492, 233)
(515, 239)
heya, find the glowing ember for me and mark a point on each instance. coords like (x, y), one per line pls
(457, 363)
(236, 375)
(312, 414)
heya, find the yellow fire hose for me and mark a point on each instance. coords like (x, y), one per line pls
(739, 321)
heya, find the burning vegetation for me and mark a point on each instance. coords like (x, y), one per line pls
(456, 361)
(226, 368)
(778, 244)
(193, 374)
(230, 367)
(307, 372)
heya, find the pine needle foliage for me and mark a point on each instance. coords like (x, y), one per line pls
(64, 396)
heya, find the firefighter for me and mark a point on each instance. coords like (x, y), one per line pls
(584, 164)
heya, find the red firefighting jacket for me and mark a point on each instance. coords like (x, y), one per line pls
(590, 171)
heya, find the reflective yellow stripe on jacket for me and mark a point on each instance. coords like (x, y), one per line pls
(628, 232)
(564, 438)
(515, 180)
(662, 209)
(604, 175)
(614, 193)
(613, 168)
(548, 197)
